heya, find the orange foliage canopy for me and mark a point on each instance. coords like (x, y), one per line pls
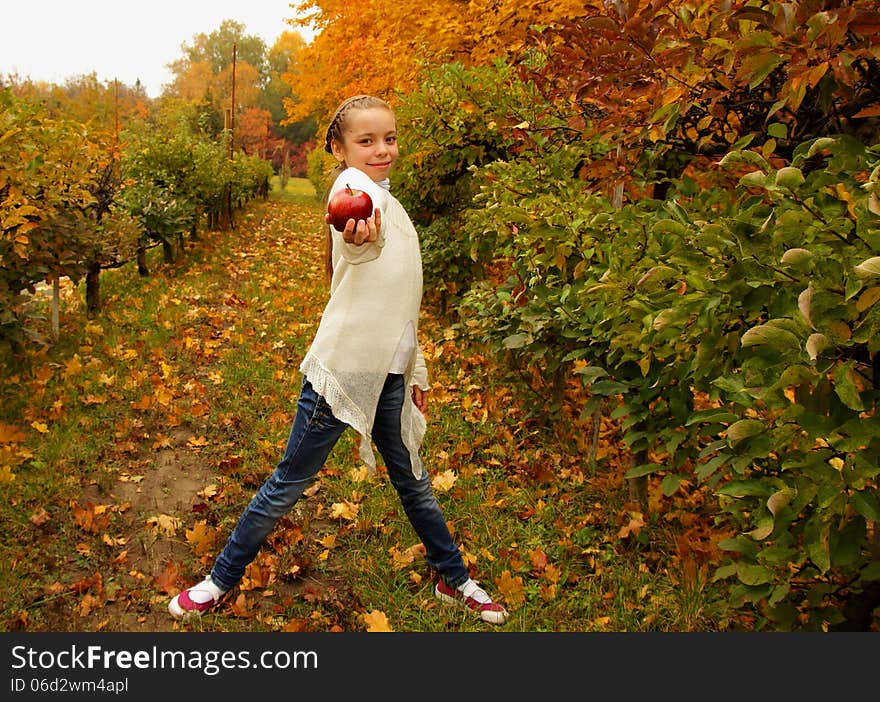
(380, 48)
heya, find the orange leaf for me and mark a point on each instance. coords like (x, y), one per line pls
(538, 559)
(142, 404)
(167, 580)
(512, 589)
(242, 607)
(202, 537)
(10, 434)
(632, 528)
(870, 111)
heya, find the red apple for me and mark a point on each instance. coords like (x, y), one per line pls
(347, 204)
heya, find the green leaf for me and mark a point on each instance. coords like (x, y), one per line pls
(751, 574)
(704, 470)
(815, 344)
(763, 530)
(711, 416)
(820, 145)
(670, 484)
(845, 387)
(780, 499)
(777, 130)
(869, 267)
(755, 179)
(746, 488)
(797, 257)
(871, 572)
(644, 469)
(816, 542)
(789, 177)
(608, 387)
(744, 429)
(768, 334)
(517, 341)
(591, 373)
(865, 503)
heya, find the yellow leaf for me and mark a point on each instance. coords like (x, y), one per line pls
(72, 367)
(196, 441)
(868, 299)
(359, 474)
(209, 492)
(164, 524)
(376, 621)
(443, 482)
(40, 427)
(345, 510)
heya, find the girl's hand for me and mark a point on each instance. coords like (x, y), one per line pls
(420, 398)
(364, 231)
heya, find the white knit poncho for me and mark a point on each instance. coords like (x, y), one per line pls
(375, 297)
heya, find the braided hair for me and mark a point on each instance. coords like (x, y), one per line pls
(337, 124)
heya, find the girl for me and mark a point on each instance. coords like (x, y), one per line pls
(364, 370)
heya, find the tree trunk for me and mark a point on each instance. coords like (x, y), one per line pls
(56, 304)
(143, 271)
(167, 250)
(93, 288)
(596, 426)
(638, 487)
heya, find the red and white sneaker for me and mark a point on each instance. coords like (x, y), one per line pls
(474, 598)
(195, 600)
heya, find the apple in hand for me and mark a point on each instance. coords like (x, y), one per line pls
(347, 204)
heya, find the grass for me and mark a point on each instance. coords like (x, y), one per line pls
(131, 444)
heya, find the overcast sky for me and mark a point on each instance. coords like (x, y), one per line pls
(52, 40)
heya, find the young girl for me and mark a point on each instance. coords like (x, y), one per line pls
(364, 370)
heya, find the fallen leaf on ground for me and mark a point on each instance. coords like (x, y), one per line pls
(377, 621)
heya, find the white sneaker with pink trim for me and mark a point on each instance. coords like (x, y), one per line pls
(195, 600)
(474, 598)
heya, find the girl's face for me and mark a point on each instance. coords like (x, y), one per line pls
(369, 142)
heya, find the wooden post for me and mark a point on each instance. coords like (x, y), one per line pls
(230, 221)
(56, 303)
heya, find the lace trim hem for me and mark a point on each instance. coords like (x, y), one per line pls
(344, 409)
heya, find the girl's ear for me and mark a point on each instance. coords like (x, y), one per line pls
(336, 148)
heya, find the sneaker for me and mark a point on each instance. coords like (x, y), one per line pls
(473, 597)
(195, 600)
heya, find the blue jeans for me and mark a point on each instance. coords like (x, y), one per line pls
(314, 433)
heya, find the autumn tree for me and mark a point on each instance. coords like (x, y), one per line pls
(204, 73)
(670, 84)
(381, 49)
(104, 105)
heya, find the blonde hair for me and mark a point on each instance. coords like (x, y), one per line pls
(335, 131)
